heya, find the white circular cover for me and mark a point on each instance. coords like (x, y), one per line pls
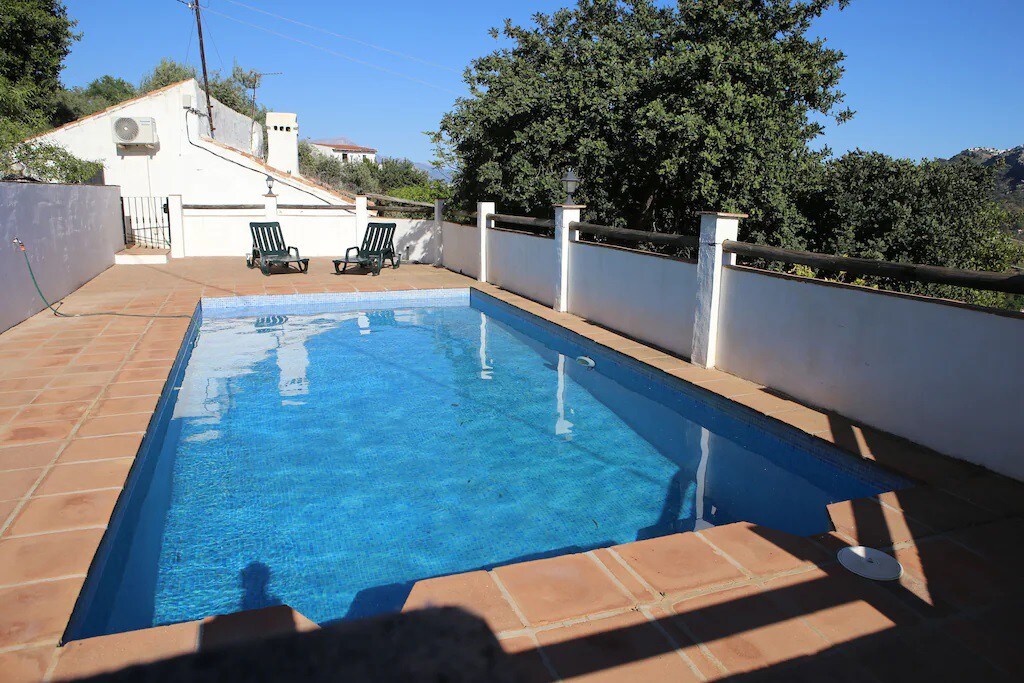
(870, 563)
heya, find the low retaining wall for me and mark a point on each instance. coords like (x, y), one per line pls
(71, 232)
(943, 375)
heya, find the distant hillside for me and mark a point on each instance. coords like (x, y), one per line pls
(1010, 171)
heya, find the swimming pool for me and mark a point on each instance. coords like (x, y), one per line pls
(327, 451)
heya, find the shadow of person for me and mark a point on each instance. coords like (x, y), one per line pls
(255, 578)
(260, 614)
(676, 515)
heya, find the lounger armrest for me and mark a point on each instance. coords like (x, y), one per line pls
(349, 251)
(294, 250)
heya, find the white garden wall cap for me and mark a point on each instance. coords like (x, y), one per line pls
(569, 206)
(722, 214)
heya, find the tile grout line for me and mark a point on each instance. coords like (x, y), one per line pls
(618, 584)
(633, 572)
(672, 641)
(508, 598)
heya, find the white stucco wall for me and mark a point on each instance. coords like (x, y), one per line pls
(417, 240)
(71, 232)
(524, 264)
(946, 376)
(185, 163)
(225, 232)
(233, 128)
(460, 248)
(650, 298)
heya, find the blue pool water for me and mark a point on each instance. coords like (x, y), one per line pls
(329, 454)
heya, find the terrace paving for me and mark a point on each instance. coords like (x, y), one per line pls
(77, 394)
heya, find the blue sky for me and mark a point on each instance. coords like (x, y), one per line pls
(926, 77)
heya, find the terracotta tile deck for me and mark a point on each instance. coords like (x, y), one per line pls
(76, 396)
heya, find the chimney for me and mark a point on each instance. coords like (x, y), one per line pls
(283, 141)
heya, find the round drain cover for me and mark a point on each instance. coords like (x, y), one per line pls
(870, 563)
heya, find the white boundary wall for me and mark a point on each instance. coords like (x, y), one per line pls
(460, 246)
(651, 298)
(416, 239)
(945, 376)
(521, 263)
(71, 232)
(225, 232)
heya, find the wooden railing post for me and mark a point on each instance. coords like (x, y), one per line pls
(715, 228)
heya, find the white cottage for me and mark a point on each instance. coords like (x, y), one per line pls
(160, 150)
(345, 150)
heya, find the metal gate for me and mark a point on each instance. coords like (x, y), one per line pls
(146, 222)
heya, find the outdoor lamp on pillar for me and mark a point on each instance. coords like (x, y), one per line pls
(270, 186)
(570, 181)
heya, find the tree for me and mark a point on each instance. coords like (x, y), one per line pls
(166, 72)
(397, 177)
(103, 92)
(663, 111)
(35, 37)
(870, 205)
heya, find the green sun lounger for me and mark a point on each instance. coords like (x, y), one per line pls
(269, 249)
(378, 246)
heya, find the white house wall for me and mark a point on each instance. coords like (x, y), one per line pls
(71, 232)
(942, 375)
(184, 163)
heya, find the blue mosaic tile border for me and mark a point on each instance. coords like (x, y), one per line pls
(309, 304)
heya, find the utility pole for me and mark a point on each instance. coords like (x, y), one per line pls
(202, 58)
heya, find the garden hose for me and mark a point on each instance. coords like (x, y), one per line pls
(24, 252)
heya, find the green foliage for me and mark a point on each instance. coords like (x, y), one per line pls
(869, 205)
(35, 37)
(662, 110)
(424, 192)
(105, 91)
(166, 72)
(42, 161)
(395, 177)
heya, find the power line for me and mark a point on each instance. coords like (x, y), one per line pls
(344, 37)
(332, 52)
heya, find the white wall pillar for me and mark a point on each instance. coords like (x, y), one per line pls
(439, 229)
(715, 228)
(176, 219)
(564, 215)
(483, 209)
(362, 217)
(270, 206)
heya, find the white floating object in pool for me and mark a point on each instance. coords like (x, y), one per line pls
(586, 361)
(870, 563)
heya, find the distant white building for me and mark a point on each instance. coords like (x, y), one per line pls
(344, 149)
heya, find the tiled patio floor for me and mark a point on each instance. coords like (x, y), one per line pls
(76, 396)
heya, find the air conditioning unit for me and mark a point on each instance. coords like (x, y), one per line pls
(135, 130)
